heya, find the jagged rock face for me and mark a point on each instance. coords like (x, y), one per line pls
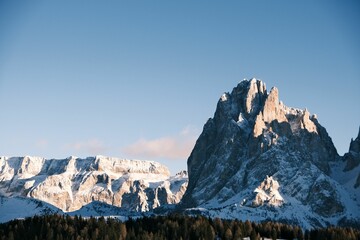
(352, 158)
(253, 135)
(268, 193)
(350, 170)
(72, 183)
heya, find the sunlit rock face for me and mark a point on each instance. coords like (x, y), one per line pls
(72, 183)
(268, 193)
(253, 136)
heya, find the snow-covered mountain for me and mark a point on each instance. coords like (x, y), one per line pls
(69, 184)
(258, 159)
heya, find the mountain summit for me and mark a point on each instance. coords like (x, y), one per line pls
(259, 159)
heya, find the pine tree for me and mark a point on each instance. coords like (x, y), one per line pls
(122, 231)
(11, 235)
(253, 235)
(247, 228)
(273, 234)
(228, 234)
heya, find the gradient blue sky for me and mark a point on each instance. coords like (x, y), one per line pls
(138, 79)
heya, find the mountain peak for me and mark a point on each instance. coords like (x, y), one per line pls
(254, 135)
(352, 158)
(250, 101)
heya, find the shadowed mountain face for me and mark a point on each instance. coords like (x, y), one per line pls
(352, 161)
(352, 158)
(253, 141)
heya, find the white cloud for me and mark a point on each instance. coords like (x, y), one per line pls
(173, 147)
(91, 146)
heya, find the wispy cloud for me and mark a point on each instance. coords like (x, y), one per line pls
(170, 147)
(42, 143)
(91, 146)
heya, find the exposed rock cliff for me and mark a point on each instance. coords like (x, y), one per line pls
(352, 158)
(268, 193)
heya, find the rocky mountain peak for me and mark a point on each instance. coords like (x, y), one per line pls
(352, 158)
(250, 103)
(273, 110)
(355, 144)
(256, 92)
(254, 135)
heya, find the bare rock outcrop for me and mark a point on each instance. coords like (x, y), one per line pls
(268, 193)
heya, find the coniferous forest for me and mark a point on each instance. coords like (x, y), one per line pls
(160, 227)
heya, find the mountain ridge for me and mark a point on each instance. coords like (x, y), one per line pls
(73, 182)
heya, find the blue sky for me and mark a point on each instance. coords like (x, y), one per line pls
(138, 79)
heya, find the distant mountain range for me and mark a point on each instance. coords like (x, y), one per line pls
(73, 184)
(256, 159)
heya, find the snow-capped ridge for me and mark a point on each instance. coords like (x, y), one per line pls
(74, 182)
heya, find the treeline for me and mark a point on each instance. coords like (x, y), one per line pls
(60, 227)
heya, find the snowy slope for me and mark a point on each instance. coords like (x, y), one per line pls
(19, 207)
(95, 209)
